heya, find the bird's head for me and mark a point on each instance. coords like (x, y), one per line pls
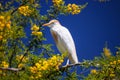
(51, 23)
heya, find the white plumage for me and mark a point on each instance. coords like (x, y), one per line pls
(63, 40)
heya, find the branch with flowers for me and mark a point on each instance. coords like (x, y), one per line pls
(22, 47)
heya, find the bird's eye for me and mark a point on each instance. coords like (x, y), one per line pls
(53, 23)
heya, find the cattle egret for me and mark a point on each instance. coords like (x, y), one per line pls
(63, 40)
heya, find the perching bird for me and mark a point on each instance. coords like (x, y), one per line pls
(63, 40)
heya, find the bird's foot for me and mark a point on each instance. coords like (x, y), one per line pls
(67, 62)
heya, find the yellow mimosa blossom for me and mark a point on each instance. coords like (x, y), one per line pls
(73, 9)
(106, 52)
(1, 18)
(5, 22)
(118, 61)
(36, 33)
(35, 30)
(24, 10)
(46, 65)
(4, 64)
(39, 33)
(19, 57)
(38, 65)
(1, 37)
(8, 25)
(69, 8)
(21, 65)
(93, 71)
(8, 17)
(112, 75)
(35, 27)
(2, 25)
(57, 3)
(111, 63)
(114, 62)
(33, 69)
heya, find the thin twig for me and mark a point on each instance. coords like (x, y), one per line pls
(11, 69)
(71, 65)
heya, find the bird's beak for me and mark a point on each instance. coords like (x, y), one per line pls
(46, 24)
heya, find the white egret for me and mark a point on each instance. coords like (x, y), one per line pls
(63, 40)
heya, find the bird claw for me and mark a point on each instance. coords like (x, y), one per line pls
(67, 62)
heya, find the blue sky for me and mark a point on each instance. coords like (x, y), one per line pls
(96, 24)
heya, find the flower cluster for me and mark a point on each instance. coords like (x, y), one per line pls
(5, 22)
(57, 3)
(115, 62)
(24, 60)
(24, 10)
(4, 64)
(44, 66)
(19, 57)
(93, 71)
(73, 9)
(35, 30)
(106, 52)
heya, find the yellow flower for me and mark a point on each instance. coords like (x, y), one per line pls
(69, 9)
(36, 33)
(114, 62)
(0, 71)
(35, 27)
(8, 18)
(1, 18)
(54, 58)
(73, 9)
(1, 37)
(111, 63)
(8, 25)
(93, 71)
(38, 65)
(24, 10)
(33, 69)
(21, 65)
(57, 3)
(2, 25)
(112, 75)
(45, 66)
(5, 64)
(4, 22)
(39, 75)
(76, 9)
(118, 61)
(39, 33)
(24, 59)
(106, 52)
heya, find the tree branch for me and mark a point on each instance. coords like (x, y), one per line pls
(12, 69)
(71, 65)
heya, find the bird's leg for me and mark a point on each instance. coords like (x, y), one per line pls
(67, 62)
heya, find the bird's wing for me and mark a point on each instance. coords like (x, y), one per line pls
(62, 36)
(55, 36)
